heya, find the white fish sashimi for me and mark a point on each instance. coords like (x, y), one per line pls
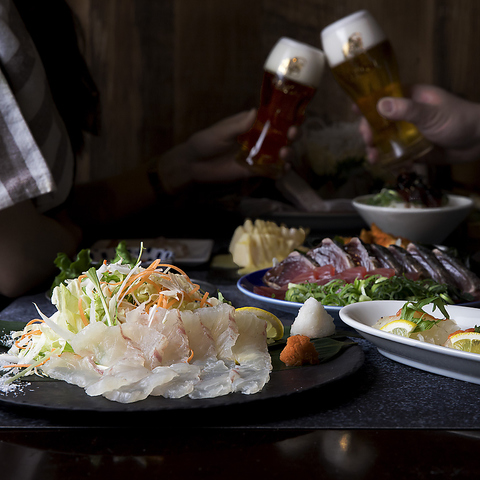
(215, 381)
(148, 340)
(144, 388)
(254, 363)
(106, 345)
(125, 372)
(215, 375)
(220, 321)
(183, 384)
(169, 323)
(174, 381)
(151, 355)
(72, 369)
(199, 337)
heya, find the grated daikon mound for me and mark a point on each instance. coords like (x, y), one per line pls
(313, 320)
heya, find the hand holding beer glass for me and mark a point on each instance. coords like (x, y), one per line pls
(292, 73)
(364, 64)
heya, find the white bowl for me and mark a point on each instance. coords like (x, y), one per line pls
(424, 356)
(422, 225)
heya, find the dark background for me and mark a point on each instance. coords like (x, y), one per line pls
(167, 68)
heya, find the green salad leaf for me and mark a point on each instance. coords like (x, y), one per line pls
(384, 198)
(413, 311)
(70, 269)
(338, 292)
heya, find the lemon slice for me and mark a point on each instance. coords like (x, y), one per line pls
(400, 327)
(466, 341)
(275, 328)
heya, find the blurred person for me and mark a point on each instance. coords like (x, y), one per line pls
(47, 101)
(449, 122)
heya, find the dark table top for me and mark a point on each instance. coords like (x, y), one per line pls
(346, 425)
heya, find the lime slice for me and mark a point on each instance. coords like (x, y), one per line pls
(400, 327)
(275, 328)
(466, 341)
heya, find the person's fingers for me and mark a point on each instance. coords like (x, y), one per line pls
(294, 133)
(222, 135)
(365, 131)
(233, 126)
(221, 169)
(423, 115)
(371, 154)
(286, 154)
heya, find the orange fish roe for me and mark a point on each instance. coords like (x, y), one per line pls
(299, 351)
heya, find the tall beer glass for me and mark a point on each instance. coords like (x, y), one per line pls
(364, 64)
(292, 73)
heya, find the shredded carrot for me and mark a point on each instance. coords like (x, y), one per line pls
(146, 273)
(194, 289)
(19, 365)
(204, 299)
(190, 357)
(160, 300)
(36, 320)
(28, 334)
(81, 311)
(167, 305)
(167, 265)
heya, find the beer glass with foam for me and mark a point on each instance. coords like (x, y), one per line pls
(363, 63)
(292, 73)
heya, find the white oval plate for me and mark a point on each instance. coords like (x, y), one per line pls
(424, 356)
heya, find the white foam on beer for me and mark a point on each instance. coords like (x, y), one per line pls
(336, 35)
(286, 49)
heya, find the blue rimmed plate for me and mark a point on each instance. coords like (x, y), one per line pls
(247, 284)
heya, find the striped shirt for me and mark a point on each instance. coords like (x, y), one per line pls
(36, 158)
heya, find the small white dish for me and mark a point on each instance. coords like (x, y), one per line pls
(424, 356)
(187, 252)
(422, 225)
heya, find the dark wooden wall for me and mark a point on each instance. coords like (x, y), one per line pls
(166, 68)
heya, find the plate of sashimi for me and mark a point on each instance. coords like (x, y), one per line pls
(135, 338)
(338, 273)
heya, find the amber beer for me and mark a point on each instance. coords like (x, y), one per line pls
(364, 64)
(292, 73)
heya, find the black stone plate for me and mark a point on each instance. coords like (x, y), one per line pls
(58, 395)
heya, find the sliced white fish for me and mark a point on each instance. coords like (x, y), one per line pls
(251, 355)
(220, 321)
(150, 342)
(215, 381)
(169, 323)
(124, 373)
(145, 387)
(199, 337)
(72, 369)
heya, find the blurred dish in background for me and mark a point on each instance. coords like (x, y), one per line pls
(185, 252)
(423, 225)
(260, 244)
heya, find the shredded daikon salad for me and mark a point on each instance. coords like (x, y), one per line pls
(129, 332)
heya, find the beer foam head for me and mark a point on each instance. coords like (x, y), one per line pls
(350, 34)
(296, 61)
